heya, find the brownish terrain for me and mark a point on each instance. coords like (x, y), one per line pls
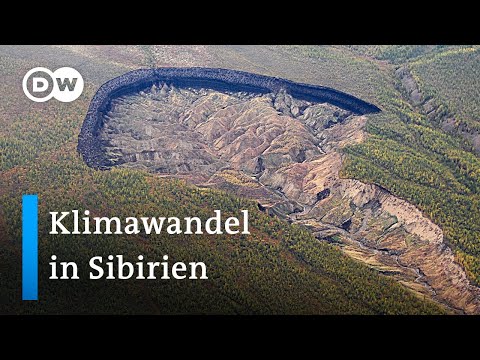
(284, 153)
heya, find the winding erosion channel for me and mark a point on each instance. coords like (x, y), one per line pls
(278, 142)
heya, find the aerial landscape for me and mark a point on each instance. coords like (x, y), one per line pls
(359, 166)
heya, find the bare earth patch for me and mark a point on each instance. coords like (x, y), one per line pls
(285, 153)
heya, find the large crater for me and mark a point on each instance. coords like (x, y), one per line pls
(277, 142)
(90, 143)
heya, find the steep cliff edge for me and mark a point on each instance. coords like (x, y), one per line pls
(284, 151)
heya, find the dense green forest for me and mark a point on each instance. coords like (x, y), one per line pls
(453, 77)
(279, 268)
(415, 159)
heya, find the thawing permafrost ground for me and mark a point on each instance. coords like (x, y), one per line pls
(284, 152)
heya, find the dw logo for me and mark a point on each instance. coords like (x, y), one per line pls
(64, 84)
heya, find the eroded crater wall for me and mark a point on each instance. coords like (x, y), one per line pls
(218, 79)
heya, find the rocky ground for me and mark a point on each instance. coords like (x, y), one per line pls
(284, 153)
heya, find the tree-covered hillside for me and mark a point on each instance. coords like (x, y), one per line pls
(415, 158)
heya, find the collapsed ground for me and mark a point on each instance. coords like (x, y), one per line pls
(285, 153)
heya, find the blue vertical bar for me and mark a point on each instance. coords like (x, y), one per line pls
(30, 247)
